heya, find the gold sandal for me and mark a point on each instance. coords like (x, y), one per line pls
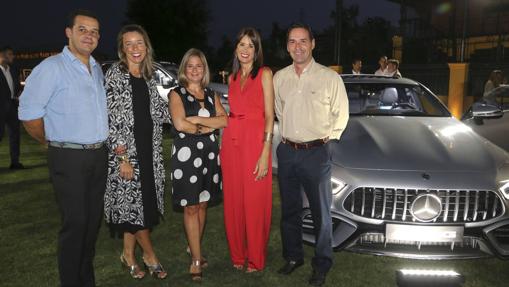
(155, 270)
(239, 267)
(251, 270)
(204, 262)
(134, 270)
(195, 276)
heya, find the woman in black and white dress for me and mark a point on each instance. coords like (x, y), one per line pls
(196, 176)
(134, 202)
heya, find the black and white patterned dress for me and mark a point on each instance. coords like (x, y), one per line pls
(131, 205)
(195, 163)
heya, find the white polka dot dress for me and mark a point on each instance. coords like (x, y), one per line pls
(195, 170)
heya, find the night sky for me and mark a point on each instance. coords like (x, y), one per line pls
(39, 25)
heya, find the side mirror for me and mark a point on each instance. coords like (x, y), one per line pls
(486, 111)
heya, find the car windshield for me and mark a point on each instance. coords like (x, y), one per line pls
(389, 99)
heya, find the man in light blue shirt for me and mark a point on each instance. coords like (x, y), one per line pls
(64, 106)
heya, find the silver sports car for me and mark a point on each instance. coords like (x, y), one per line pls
(409, 180)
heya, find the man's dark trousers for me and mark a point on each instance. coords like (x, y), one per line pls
(79, 180)
(311, 169)
(9, 118)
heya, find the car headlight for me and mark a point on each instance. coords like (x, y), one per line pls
(505, 188)
(337, 185)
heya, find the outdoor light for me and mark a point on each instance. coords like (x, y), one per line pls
(337, 185)
(435, 278)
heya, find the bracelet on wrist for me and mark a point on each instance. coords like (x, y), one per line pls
(267, 137)
(123, 158)
(198, 129)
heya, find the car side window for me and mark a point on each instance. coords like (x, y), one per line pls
(504, 102)
(163, 80)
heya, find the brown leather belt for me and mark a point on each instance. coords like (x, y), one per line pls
(305, 145)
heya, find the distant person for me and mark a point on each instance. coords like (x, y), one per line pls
(393, 68)
(10, 89)
(382, 63)
(356, 67)
(495, 80)
(134, 199)
(196, 113)
(64, 106)
(246, 159)
(304, 154)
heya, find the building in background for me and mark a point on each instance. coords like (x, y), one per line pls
(454, 31)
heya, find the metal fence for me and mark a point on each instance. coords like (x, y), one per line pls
(433, 76)
(479, 73)
(436, 76)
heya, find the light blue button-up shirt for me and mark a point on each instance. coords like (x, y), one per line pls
(70, 99)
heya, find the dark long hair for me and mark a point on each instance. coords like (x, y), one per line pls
(255, 37)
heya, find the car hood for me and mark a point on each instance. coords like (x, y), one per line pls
(414, 143)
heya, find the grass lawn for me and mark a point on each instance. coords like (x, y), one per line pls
(29, 223)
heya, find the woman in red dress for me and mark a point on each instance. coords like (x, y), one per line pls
(246, 154)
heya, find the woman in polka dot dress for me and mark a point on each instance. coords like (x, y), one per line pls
(195, 172)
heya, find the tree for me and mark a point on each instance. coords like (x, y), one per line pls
(367, 41)
(174, 26)
(274, 48)
(375, 39)
(220, 60)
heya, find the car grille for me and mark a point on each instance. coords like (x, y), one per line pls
(458, 206)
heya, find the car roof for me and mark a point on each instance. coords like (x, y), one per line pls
(374, 79)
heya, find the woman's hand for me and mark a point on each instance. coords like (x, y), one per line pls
(194, 120)
(126, 170)
(120, 150)
(262, 167)
(206, 130)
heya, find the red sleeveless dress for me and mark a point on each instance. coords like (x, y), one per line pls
(247, 203)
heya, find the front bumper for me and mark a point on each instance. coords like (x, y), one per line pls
(475, 242)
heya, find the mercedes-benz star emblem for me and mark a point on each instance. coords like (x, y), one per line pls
(426, 207)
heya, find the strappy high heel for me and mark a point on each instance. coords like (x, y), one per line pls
(195, 276)
(155, 270)
(134, 270)
(251, 270)
(204, 262)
